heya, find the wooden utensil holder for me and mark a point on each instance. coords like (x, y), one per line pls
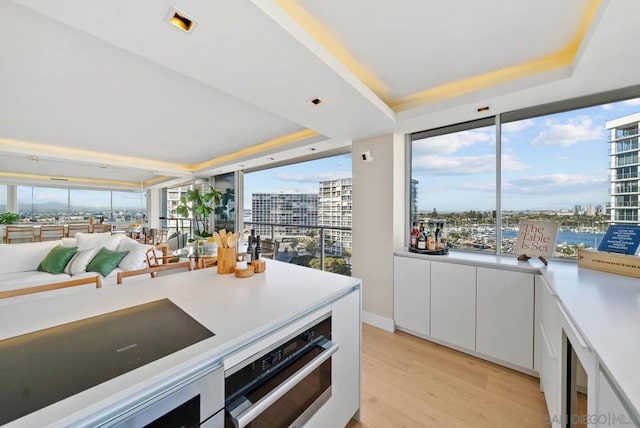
(226, 260)
(258, 266)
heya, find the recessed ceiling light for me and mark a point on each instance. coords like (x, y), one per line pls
(34, 158)
(104, 166)
(313, 149)
(316, 101)
(272, 159)
(181, 21)
(59, 179)
(482, 109)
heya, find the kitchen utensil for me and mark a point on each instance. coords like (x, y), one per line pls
(232, 240)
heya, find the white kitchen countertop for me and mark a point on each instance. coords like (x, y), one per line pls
(237, 310)
(605, 307)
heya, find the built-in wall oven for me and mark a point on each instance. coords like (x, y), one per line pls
(283, 385)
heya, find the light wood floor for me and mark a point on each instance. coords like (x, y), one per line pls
(411, 382)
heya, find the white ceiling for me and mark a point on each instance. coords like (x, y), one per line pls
(88, 84)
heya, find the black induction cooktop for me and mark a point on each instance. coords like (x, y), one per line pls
(46, 366)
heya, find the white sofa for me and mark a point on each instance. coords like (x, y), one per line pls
(19, 262)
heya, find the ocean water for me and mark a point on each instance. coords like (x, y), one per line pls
(571, 238)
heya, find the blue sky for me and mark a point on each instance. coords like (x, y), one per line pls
(299, 178)
(550, 162)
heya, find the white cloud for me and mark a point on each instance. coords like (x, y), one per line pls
(555, 184)
(576, 130)
(451, 143)
(313, 177)
(464, 165)
(632, 102)
(517, 126)
(607, 106)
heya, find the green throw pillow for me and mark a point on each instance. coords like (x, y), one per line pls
(105, 261)
(57, 259)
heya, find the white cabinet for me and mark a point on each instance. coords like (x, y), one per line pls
(548, 348)
(504, 323)
(453, 304)
(345, 365)
(411, 290)
(611, 411)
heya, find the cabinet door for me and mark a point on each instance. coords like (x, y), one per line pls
(453, 304)
(611, 411)
(505, 316)
(550, 377)
(411, 289)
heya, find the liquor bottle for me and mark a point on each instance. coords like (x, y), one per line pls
(438, 235)
(257, 249)
(431, 240)
(422, 239)
(414, 236)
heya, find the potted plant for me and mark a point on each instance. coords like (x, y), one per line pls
(201, 205)
(8, 218)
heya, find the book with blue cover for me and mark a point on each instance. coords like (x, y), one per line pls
(621, 239)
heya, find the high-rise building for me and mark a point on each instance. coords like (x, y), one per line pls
(334, 209)
(284, 208)
(413, 196)
(624, 169)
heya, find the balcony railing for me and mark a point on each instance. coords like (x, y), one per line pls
(287, 233)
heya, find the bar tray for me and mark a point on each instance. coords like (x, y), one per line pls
(441, 252)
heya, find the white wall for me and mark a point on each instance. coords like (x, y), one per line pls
(378, 222)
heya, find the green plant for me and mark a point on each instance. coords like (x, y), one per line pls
(8, 218)
(201, 205)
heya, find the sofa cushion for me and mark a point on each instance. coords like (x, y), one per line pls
(69, 242)
(137, 258)
(98, 240)
(105, 261)
(57, 259)
(80, 261)
(24, 257)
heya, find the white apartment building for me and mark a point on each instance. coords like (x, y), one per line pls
(334, 209)
(284, 208)
(624, 169)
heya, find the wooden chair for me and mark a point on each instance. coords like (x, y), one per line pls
(154, 267)
(51, 232)
(72, 229)
(20, 233)
(269, 248)
(53, 286)
(99, 228)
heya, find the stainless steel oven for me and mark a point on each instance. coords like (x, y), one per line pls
(284, 385)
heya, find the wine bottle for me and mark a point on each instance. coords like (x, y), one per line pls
(414, 236)
(422, 239)
(431, 240)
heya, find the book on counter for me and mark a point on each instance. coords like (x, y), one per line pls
(536, 238)
(621, 239)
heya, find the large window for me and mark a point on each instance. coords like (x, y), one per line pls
(3, 198)
(51, 204)
(574, 162)
(305, 208)
(453, 174)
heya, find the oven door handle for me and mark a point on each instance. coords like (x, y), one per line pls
(248, 415)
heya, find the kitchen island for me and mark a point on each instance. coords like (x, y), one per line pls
(242, 313)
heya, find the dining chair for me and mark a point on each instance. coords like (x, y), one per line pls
(99, 228)
(269, 248)
(154, 267)
(51, 232)
(53, 286)
(72, 229)
(20, 234)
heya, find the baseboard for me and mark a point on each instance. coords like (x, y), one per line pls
(378, 321)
